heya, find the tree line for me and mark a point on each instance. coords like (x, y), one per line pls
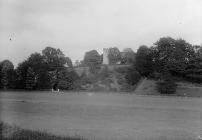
(39, 71)
(167, 60)
(170, 60)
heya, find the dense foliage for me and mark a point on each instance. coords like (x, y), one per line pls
(92, 60)
(39, 71)
(179, 58)
(167, 85)
(168, 56)
(144, 61)
(52, 69)
(7, 74)
(132, 76)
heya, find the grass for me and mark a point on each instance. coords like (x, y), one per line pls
(8, 132)
(101, 116)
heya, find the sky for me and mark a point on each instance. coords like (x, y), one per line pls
(77, 26)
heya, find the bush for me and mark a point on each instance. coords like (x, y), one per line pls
(132, 76)
(122, 70)
(167, 86)
(67, 79)
(104, 73)
(195, 78)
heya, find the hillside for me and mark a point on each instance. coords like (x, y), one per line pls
(108, 78)
(148, 87)
(112, 78)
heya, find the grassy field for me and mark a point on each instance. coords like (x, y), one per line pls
(99, 116)
(8, 132)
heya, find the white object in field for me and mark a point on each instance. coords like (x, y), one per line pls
(105, 56)
(55, 90)
(199, 137)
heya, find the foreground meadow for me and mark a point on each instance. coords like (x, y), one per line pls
(103, 115)
(9, 132)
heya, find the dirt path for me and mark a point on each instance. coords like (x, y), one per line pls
(115, 83)
(146, 87)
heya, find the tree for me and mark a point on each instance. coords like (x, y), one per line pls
(114, 55)
(92, 60)
(30, 79)
(0, 75)
(39, 66)
(174, 58)
(7, 73)
(101, 59)
(68, 62)
(132, 76)
(172, 55)
(128, 56)
(143, 62)
(21, 72)
(67, 79)
(193, 70)
(54, 58)
(56, 62)
(167, 85)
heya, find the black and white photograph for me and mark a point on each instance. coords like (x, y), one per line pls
(100, 69)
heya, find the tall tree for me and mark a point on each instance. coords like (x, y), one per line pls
(7, 71)
(144, 61)
(67, 79)
(21, 72)
(41, 75)
(37, 62)
(54, 58)
(56, 62)
(30, 79)
(172, 55)
(92, 60)
(193, 71)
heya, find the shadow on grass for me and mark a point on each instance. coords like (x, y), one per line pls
(8, 132)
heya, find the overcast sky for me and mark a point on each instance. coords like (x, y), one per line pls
(77, 26)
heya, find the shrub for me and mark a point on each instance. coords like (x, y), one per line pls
(167, 86)
(67, 79)
(104, 72)
(122, 70)
(195, 78)
(132, 76)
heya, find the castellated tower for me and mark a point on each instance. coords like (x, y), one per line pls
(105, 56)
